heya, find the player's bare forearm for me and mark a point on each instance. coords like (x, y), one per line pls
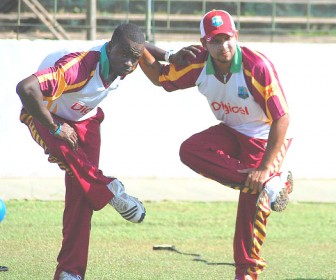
(32, 100)
(256, 177)
(151, 67)
(275, 141)
(156, 52)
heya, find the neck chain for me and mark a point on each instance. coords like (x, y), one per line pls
(225, 78)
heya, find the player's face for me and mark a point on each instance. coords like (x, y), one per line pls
(222, 47)
(124, 56)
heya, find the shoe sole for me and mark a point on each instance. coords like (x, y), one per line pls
(143, 215)
(281, 201)
(290, 181)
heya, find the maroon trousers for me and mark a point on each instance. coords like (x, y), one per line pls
(85, 184)
(218, 153)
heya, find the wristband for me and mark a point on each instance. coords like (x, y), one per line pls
(167, 55)
(57, 131)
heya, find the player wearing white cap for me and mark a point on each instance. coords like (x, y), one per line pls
(246, 149)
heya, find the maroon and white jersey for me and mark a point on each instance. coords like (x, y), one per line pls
(72, 83)
(248, 99)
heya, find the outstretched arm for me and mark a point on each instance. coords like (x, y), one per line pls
(180, 58)
(155, 51)
(150, 60)
(151, 67)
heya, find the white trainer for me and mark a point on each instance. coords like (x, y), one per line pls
(277, 189)
(243, 277)
(68, 276)
(129, 207)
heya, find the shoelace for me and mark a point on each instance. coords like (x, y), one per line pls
(119, 204)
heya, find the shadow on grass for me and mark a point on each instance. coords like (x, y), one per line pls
(197, 257)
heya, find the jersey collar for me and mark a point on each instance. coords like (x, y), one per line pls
(235, 66)
(104, 62)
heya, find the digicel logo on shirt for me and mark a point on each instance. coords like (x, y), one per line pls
(83, 109)
(216, 106)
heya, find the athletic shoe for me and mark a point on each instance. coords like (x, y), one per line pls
(129, 207)
(68, 276)
(289, 182)
(243, 277)
(277, 189)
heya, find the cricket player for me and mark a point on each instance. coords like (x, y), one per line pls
(246, 149)
(60, 109)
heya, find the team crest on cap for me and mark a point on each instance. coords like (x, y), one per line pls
(243, 92)
(217, 21)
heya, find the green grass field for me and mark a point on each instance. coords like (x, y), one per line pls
(301, 242)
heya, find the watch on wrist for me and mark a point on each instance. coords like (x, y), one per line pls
(167, 55)
(57, 131)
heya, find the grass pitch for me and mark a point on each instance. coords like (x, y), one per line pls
(300, 243)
